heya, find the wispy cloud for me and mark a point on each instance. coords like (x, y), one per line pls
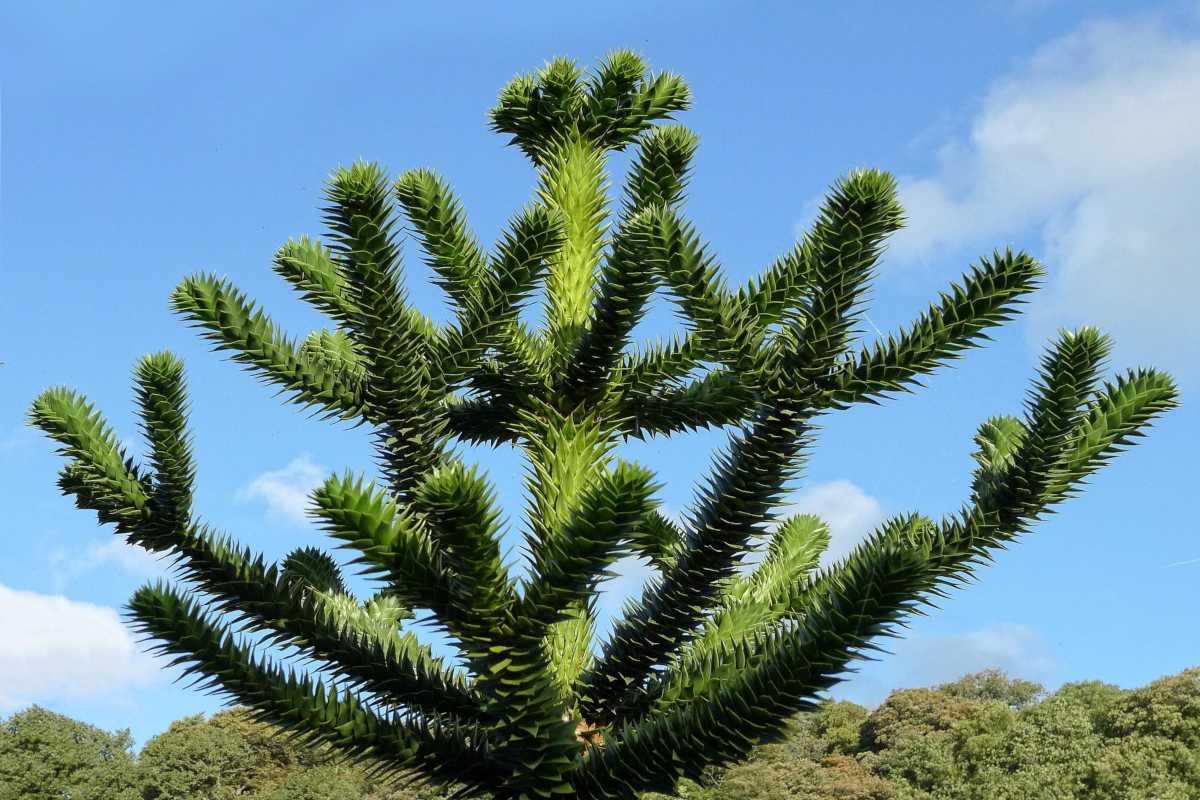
(1184, 563)
(68, 564)
(1010, 647)
(928, 660)
(850, 513)
(1092, 140)
(60, 648)
(285, 491)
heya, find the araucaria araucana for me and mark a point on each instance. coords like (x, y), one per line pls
(712, 657)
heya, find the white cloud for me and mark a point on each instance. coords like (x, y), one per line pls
(285, 491)
(1094, 142)
(55, 647)
(68, 564)
(928, 660)
(1016, 649)
(849, 511)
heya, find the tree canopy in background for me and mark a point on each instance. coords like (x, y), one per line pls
(983, 736)
(46, 756)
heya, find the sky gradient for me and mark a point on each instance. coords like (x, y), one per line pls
(140, 145)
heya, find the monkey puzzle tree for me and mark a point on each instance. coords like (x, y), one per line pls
(711, 658)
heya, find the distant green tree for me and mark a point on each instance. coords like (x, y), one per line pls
(275, 756)
(909, 713)
(230, 754)
(197, 760)
(324, 782)
(839, 725)
(966, 740)
(939, 745)
(994, 684)
(799, 767)
(1096, 697)
(233, 755)
(1140, 767)
(1045, 754)
(917, 763)
(1169, 707)
(46, 756)
(975, 745)
(834, 777)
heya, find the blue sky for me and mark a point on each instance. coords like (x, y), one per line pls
(141, 143)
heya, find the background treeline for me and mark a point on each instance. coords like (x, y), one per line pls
(983, 736)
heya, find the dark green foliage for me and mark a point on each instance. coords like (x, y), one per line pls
(1143, 766)
(230, 755)
(197, 759)
(994, 685)
(1169, 707)
(326, 782)
(46, 756)
(944, 746)
(940, 746)
(707, 662)
(1095, 697)
(840, 725)
(912, 713)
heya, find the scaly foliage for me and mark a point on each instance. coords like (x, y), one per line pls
(706, 662)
